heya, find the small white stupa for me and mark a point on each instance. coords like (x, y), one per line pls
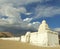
(44, 36)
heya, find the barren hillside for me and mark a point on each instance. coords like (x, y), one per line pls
(6, 34)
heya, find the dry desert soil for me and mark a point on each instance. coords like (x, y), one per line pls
(19, 45)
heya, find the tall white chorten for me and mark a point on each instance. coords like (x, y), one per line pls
(43, 27)
(44, 36)
(47, 37)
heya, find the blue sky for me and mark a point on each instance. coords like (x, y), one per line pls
(26, 15)
(52, 20)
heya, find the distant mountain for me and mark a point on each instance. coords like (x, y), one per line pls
(6, 34)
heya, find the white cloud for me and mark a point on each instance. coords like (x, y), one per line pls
(34, 24)
(57, 29)
(27, 19)
(28, 13)
(46, 11)
(14, 18)
(27, 25)
(20, 2)
(2, 22)
(12, 13)
(7, 9)
(12, 9)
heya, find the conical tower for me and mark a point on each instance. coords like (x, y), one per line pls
(43, 26)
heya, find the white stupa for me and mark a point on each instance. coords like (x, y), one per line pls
(44, 36)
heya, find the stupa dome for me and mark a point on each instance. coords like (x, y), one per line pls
(43, 21)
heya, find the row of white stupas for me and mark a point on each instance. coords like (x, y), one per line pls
(44, 36)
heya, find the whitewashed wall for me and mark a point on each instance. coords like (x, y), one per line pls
(23, 38)
(12, 38)
(53, 39)
(33, 38)
(39, 39)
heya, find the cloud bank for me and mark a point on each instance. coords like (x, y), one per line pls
(46, 11)
(11, 10)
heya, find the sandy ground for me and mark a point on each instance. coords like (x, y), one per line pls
(19, 45)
